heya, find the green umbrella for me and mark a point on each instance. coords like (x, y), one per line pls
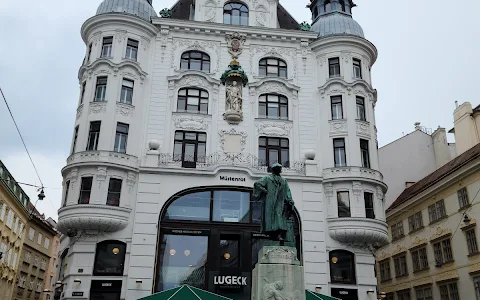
(309, 295)
(185, 292)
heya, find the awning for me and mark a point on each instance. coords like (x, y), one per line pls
(309, 295)
(185, 292)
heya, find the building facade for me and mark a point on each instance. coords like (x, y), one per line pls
(13, 218)
(179, 115)
(433, 252)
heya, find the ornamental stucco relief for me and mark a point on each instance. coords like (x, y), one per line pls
(338, 127)
(125, 110)
(363, 129)
(97, 107)
(210, 11)
(261, 16)
(278, 129)
(243, 137)
(80, 111)
(191, 122)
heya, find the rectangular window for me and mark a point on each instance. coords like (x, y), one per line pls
(369, 209)
(14, 262)
(403, 295)
(3, 212)
(337, 109)
(67, 188)
(424, 293)
(93, 135)
(443, 252)
(28, 256)
(75, 137)
(273, 150)
(273, 106)
(476, 284)
(121, 138)
(340, 155)
(463, 198)
(32, 283)
(437, 211)
(47, 243)
(114, 190)
(132, 49)
(82, 93)
(471, 241)
(126, 94)
(89, 53)
(334, 67)
(100, 89)
(415, 222)
(190, 148)
(15, 225)
(449, 291)
(365, 153)
(43, 264)
(31, 234)
(85, 190)
(107, 46)
(343, 201)
(385, 272)
(419, 259)
(400, 263)
(10, 219)
(21, 228)
(361, 109)
(35, 261)
(39, 238)
(357, 68)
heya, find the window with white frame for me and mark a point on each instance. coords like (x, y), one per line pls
(121, 138)
(47, 243)
(471, 241)
(340, 155)
(3, 212)
(93, 135)
(463, 198)
(192, 100)
(101, 89)
(31, 234)
(365, 153)
(126, 94)
(39, 238)
(343, 201)
(334, 67)
(273, 67)
(273, 106)
(132, 49)
(107, 46)
(443, 252)
(360, 101)
(357, 68)
(10, 219)
(337, 109)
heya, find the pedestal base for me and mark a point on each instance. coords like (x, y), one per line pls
(233, 116)
(278, 275)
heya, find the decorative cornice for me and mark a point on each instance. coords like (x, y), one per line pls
(179, 45)
(418, 242)
(349, 87)
(87, 71)
(398, 250)
(447, 276)
(346, 40)
(97, 107)
(338, 127)
(441, 233)
(191, 121)
(98, 157)
(269, 83)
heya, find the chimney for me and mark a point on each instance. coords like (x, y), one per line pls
(456, 104)
(417, 126)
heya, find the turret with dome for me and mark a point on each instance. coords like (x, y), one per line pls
(140, 8)
(331, 17)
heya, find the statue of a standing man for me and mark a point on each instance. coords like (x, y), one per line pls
(277, 203)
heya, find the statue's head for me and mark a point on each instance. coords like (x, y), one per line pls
(234, 83)
(276, 168)
(278, 285)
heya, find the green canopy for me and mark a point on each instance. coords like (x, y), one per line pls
(309, 295)
(185, 292)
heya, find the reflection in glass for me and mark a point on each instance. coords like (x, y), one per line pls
(229, 250)
(342, 267)
(343, 200)
(109, 259)
(179, 269)
(230, 206)
(194, 206)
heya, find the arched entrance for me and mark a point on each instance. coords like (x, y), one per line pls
(209, 238)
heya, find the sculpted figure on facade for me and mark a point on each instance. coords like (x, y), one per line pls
(234, 97)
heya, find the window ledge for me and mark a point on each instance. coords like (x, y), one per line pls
(362, 121)
(130, 59)
(274, 120)
(190, 113)
(416, 230)
(473, 254)
(106, 57)
(421, 270)
(398, 238)
(465, 207)
(330, 77)
(438, 220)
(386, 280)
(401, 276)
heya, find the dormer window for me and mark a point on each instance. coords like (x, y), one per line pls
(235, 14)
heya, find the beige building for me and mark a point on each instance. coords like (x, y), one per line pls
(467, 127)
(13, 217)
(52, 267)
(35, 272)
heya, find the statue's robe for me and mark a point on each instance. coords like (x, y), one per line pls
(274, 193)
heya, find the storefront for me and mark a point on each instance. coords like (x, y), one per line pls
(209, 238)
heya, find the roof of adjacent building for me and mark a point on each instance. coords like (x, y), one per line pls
(40, 218)
(454, 165)
(139, 8)
(181, 10)
(476, 109)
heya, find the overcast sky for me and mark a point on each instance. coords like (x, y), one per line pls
(428, 58)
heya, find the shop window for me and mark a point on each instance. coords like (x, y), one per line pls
(342, 267)
(231, 206)
(109, 258)
(273, 67)
(235, 14)
(192, 207)
(195, 60)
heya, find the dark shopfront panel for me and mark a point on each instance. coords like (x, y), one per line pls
(105, 290)
(345, 294)
(210, 239)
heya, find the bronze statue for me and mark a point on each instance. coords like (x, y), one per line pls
(277, 204)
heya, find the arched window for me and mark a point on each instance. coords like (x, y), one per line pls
(327, 6)
(192, 100)
(272, 67)
(235, 14)
(273, 106)
(342, 5)
(195, 60)
(226, 237)
(109, 258)
(342, 267)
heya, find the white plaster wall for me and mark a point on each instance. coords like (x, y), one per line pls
(401, 163)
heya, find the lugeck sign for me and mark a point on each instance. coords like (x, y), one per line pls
(230, 280)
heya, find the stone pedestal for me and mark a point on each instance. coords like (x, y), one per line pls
(278, 275)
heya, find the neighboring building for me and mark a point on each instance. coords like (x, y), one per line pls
(178, 117)
(34, 271)
(416, 155)
(434, 251)
(467, 127)
(52, 266)
(13, 217)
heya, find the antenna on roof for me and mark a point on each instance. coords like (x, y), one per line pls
(456, 104)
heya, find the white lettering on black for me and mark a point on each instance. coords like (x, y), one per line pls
(230, 280)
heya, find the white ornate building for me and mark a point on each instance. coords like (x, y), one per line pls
(177, 117)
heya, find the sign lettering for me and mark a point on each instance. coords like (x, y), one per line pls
(228, 178)
(77, 294)
(107, 284)
(230, 280)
